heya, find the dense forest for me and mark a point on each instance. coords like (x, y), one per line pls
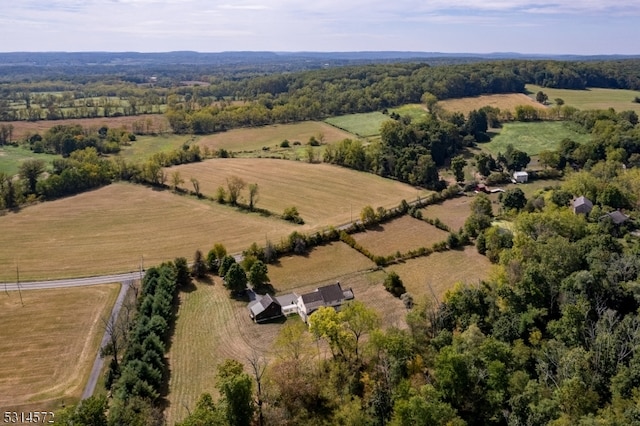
(199, 98)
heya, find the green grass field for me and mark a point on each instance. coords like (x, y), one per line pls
(145, 146)
(620, 100)
(415, 111)
(532, 137)
(11, 157)
(363, 125)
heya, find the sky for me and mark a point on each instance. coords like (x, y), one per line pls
(582, 27)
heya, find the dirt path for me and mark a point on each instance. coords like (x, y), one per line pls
(99, 361)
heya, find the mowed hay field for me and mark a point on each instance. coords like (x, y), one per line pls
(591, 98)
(453, 212)
(433, 275)
(252, 139)
(403, 234)
(506, 102)
(323, 263)
(157, 123)
(48, 345)
(323, 194)
(113, 228)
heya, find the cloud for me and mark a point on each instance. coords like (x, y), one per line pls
(318, 24)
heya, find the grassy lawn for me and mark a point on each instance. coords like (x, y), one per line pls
(323, 264)
(11, 157)
(594, 98)
(48, 345)
(403, 234)
(433, 275)
(415, 111)
(323, 194)
(211, 327)
(505, 102)
(533, 137)
(255, 138)
(111, 229)
(363, 125)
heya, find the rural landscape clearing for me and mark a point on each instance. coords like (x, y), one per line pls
(330, 239)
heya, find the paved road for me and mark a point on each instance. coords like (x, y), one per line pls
(74, 282)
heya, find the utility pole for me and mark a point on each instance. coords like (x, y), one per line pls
(18, 284)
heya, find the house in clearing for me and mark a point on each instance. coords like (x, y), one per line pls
(520, 177)
(265, 308)
(329, 295)
(617, 217)
(582, 205)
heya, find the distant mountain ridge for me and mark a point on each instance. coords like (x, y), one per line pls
(239, 57)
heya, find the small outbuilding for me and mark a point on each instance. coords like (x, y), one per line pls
(264, 309)
(520, 177)
(582, 205)
(617, 217)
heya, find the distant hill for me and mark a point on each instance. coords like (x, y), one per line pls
(249, 57)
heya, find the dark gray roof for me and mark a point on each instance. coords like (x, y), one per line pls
(314, 296)
(261, 304)
(582, 201)
(267, 300)
(331, 292)
(617, 217)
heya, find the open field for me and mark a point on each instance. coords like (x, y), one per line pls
(145, 146)
(211, 327)
(363, 124)
(48, 345)
(594, 98)
(323, 194)
(11, 157)
(532, 137)
(403, 234)
(113, 228)
(433, 275)
(321, 264)
(415, 111)
(506, 102)
(253, 139)
(158, 124)
(452, 212)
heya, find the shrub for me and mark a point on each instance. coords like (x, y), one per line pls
(292, 215)
(394, 285)
(285, 144)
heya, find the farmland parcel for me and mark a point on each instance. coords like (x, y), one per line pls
(48, 344)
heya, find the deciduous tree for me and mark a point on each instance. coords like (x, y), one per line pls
(236, 389)
(30, 170)
(236, 279)
(234, 186)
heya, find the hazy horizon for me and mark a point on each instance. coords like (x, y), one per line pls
(531, 27)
